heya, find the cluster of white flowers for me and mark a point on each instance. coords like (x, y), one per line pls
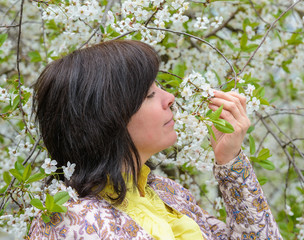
(300, 226)
(253, 104)
(195, 82)
(79, 19)
(18, 225)
(205, 23)
(195, 89)
(59, 186)
(67, 25)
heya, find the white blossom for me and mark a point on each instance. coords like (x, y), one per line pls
(49, 166)
(69, 170)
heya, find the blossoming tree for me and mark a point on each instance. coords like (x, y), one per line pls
(254, 47)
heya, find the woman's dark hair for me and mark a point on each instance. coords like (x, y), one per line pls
(83, 103)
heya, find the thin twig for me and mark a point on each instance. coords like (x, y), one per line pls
(9, 26)
(44, 38)
(224, 24)
(5, 199)
(293, 140)
(257, 13)
(286, 183)
(163, 71)
(298, 171)
(157, 9)
(266, 34)
(124, 34)
(290, 140)
(7, 11)
(201, 40)
(18, 69)
(103, 22)
(39, 1)
(261, 143)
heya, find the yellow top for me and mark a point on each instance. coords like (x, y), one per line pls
(145, 207)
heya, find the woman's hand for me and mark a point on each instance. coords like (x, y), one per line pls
(228, 145)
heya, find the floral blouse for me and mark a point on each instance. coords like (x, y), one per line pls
(248, 214)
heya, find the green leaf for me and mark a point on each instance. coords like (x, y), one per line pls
(49, 202)
(35, 56)
(179, 70)
(219, 121)
(211, 131)
(209, 112)
(61, 197)
(259, 92)
(216, 114)
(59, 208)
(45, 218)
(7, 177)
(19, 167)
(262, 180)
(52, 25)
(27, 172)
(264, 154)
(263, 101)
(300, 190)
(37, 203)
(250, 129)
(252, 145)
(230, 44)
(285, 65)
(2, 190)
(246, 23)
(227, 128)
(295, 39)
(102, 29)
(26, 96)
(266, 164)
(3, 37)
(16, 174)
(15, 102)
(243, 41)
(250, 48)
(36, 177)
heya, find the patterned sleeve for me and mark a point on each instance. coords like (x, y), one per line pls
(248, 213)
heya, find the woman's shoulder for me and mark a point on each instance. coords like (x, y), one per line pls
(169, 186)
(89, 217)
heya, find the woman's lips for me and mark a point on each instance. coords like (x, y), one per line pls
(170, 122)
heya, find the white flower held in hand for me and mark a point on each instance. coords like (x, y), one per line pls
(49, 165)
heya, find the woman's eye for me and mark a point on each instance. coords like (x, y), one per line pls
(151, 95)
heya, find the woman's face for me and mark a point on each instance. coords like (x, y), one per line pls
(152, 127)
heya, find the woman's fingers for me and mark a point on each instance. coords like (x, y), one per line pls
(228, 106)
(230, 103)
(241, 98)
(234, 108)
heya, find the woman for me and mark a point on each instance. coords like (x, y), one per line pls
(100, 108)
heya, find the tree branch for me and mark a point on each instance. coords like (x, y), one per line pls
(266, 34)
(223, 25)
(5, 198)
(103, 22)
(298, 171)
(18, 69)
(201, 40)
(158, 8)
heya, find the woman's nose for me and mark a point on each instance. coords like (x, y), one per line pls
(169, 100)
